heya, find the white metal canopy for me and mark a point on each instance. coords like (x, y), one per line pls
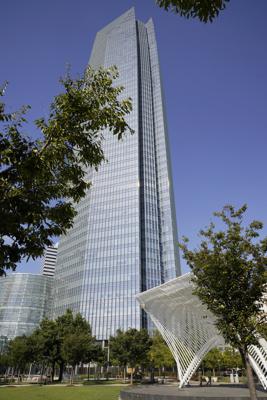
(188, 327)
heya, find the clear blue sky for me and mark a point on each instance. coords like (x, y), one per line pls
(215, 81)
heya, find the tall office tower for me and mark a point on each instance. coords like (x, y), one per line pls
(49, 262)
(124, 238)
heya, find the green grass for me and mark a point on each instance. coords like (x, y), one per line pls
(60, 393)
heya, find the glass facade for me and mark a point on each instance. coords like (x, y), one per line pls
(25, 299)
(124, 237)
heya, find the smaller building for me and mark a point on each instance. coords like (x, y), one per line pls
(50, 259)
(25, 299)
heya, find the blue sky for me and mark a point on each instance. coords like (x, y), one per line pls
(215, 81)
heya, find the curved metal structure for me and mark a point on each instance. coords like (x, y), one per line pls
(188, 327)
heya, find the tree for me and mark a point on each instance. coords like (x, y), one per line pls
(231, 359)
(19, 353)
(204, 10)
(118, 350)
(68, 339)
(69, 327)
(213, 360)
(75, 349)
(45, 343)
(159, 353)
(130, 348)
(4, 362)
(230, 278)
(78, 343)
(41, 180)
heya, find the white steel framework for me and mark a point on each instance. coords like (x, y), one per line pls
(188, 327)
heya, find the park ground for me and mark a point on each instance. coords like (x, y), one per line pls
(59, 392)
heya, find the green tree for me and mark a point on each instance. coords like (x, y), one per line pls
(70, 326)
(78, 344)
(118, 351)
(4, 363)
(230, 278)
(75, 349)
(231, 358)
(204, 10)
(19, 353)
(130, 348)
(159, 354)
(41, 180)
(45, 343)
(68, 339)
(213, 360)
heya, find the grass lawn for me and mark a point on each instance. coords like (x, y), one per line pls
(60, 393)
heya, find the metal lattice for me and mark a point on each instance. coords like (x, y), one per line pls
(188, 327)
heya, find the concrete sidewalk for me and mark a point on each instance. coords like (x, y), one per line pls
(166, 392)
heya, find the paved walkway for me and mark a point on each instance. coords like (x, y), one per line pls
(165, 392)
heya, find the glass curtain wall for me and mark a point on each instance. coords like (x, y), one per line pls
(25, 299)
(123, 238)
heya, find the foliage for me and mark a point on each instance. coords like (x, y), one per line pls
(229, 275)
(19, 352)
(75, 348)
(45, 344)
(204, 10)
(230, 278)
(231, 359)
(4, 362)
(159, 353)
(78, 344)
(263, 331)
(118, 350)
(72, 339)
(213, 359)
(130, 348)
(218, 360)
(68, 339)
(41, 179)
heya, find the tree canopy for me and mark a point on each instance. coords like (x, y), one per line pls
(68, 339)
(42, 179)
(204, 10)
(159, 353)
(130, 348)
(229, 270)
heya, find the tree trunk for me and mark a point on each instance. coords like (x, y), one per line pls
(42, 372)
(131, 376)
(53, 371)
(61, 370)
(124, 373)
(152, 374)
(72, 375)
(251, 383)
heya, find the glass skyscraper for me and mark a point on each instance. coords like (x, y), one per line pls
(124, 237)
(25, 299)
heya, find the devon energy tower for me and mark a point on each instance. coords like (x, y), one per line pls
(124, 237)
